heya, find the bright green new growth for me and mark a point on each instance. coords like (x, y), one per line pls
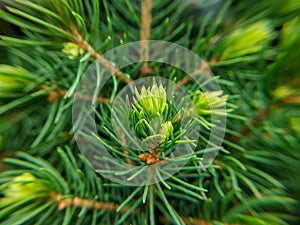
(152, 109)
(209, 102)
(21, 188)
(16, 80)
(247, 40)
(167, 129)
(154, 118)
(152, 100)
(46, 47)
(72, 50)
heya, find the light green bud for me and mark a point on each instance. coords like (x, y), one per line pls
(167, 129)
(205, 102)
(22, 187)
(152, 100)
(72, 50)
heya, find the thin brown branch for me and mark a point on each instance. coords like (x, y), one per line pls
(81, 43)
(153, 156)
(146, 19)
(291, 99)
(58, 92)
(77, 202)
(183, 81)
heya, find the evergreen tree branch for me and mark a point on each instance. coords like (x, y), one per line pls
(245, 49)
(78, 202)
(183, 81)
(58, 92)
(83, 44)
(146, 19)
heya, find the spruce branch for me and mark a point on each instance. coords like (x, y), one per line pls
(83, 44)
(57, 92)
(78, 202)
(184, 81)
(247, 184)
(49, 187)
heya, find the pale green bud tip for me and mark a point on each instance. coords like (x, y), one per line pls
(15, 77)
(22, 187)
(205, 102)
(167, 129)
(247, 40)
(282, 92)
(152, 100)
(72, 50)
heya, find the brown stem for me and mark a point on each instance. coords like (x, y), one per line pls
(150, 159)
(77, 202)
(58, 92)
(146, 19)
(153, 156)
(291, 99)
(183, 81)
(81, 43)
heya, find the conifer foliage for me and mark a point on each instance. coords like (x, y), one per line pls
(47, 47)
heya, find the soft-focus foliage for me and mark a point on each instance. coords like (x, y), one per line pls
(252, 48)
